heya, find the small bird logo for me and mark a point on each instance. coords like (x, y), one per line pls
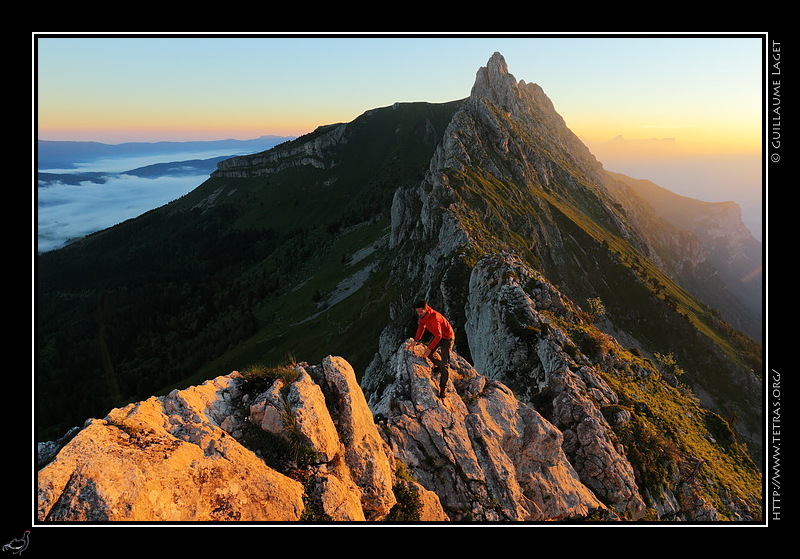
(18, 545)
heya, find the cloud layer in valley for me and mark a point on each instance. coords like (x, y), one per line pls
(66, 212)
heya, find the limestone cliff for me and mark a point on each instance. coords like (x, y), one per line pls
(289, 447)
(312, 151)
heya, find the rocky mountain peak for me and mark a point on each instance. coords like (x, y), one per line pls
(498, 99)
(493, 81)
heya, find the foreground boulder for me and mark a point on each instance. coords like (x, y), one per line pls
(165, 459)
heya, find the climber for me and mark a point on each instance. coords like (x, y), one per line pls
(443, 339)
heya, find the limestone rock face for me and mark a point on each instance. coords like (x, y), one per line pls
(487, 455)
(311, 153)
(191, 456)
(309, 415)
(367, 457)
(510, 332)
(165, 459)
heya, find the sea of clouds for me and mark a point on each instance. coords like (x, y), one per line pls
(65, 212)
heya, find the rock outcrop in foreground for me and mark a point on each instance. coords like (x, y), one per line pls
(303, 445)
(489, 456)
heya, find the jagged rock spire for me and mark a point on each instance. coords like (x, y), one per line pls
(493, 81)
(527, 104)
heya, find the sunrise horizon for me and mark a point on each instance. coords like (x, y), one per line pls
(149, 135)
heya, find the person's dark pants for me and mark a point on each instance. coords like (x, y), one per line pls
(442, 362)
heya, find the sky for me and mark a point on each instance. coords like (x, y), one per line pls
(647, 106)
(704, 90)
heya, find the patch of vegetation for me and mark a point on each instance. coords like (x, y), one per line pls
(289, 449)
(595, 308)
(671, 440)
(313, 510)
(409, 505)
(274, 450)
(258, 378)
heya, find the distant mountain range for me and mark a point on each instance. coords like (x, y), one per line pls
(53, 154)
(191, 167)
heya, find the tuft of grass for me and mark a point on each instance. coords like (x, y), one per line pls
(286, 450)
(260, 376)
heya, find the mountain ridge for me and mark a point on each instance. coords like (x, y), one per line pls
(726, 243)
(506, 198)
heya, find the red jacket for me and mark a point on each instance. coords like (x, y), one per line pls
(436, 324)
